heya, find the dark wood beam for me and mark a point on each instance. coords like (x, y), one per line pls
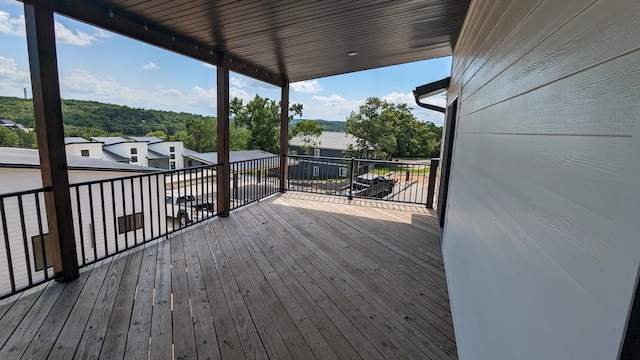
(50, 132)
(284, 135)
(113, 20)
(223, 169)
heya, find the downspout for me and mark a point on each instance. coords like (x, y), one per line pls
(429, 90)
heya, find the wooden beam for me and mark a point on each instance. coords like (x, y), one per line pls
(50, 132)
(223, 178)
(118, 21)
(284, 135)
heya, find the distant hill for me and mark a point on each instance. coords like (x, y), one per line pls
(92, 118)
(336, 126)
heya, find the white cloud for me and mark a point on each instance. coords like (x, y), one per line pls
(150, 66)
(240, 94)
(208, 66)
(12, 80)
(334, 107)
(64, 35)
(12, 26)
(310, 87)
(333, 98)
(171, 92)
(238, 82)
(76, 37)
(400, 98)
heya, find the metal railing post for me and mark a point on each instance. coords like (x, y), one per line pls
(431, 189)
(351, 179)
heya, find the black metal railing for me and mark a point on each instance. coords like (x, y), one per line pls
(23, 263)
(398, 181)
(252, 180)
(114, 215)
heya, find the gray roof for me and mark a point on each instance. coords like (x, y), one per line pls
(6, 122)
(110, 140)
(234, 156)
(148, 139)
(153, 155)
(75, 140)
(329, 140)
(29, 158)
(243, 158)
(111, 156)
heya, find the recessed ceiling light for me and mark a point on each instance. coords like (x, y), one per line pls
(352, 53)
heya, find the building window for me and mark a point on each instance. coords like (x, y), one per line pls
(316, 152)
(130, 223)
(342, 172)
(316, 171)
(189, 163)
(173, 165)
(38, 256)
(172, 156)
(134, 151)
(172, 149)
(84, 153)
(134, 159)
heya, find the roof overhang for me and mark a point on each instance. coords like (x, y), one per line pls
(277, 41)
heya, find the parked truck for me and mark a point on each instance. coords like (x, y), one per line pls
(188, 208)
(371, 186)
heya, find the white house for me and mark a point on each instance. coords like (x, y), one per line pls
(163, 154)
(136, 152)
(81, 147)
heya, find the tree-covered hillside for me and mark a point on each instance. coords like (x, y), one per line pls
(334, 126)
(91, 118)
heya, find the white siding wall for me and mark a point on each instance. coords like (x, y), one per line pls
(541, 242)
(124, 150)
(95, 149)
(165, 148)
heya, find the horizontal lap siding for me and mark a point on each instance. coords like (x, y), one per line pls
(539, 252)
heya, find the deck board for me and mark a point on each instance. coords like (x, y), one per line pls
(294, 276)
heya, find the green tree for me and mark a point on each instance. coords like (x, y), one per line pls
(373, 128)
(309, 131)
(261, 117)
(201, 134)
(389, 130)
(158, 134)
(9, 138)
(28, 139)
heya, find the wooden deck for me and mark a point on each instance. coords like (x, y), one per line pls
(294, 276)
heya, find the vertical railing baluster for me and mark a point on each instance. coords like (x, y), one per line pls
(124, 216)
(24, 239)
(7, 245)
(41, 232)
(144, 227)
(134, 219)
(93, 225)
(82, 244)
(115, 214)
(104, 218)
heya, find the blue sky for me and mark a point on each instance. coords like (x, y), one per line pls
(95, 64)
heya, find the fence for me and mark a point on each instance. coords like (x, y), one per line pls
(398, 181)
(114, 215)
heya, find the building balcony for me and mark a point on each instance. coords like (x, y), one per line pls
(293, 276)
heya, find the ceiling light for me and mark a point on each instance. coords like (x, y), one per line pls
(352, 53)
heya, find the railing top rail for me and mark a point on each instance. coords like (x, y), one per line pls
(155, 173)
(27, 192)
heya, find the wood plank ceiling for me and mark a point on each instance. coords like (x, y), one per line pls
(286, 39)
